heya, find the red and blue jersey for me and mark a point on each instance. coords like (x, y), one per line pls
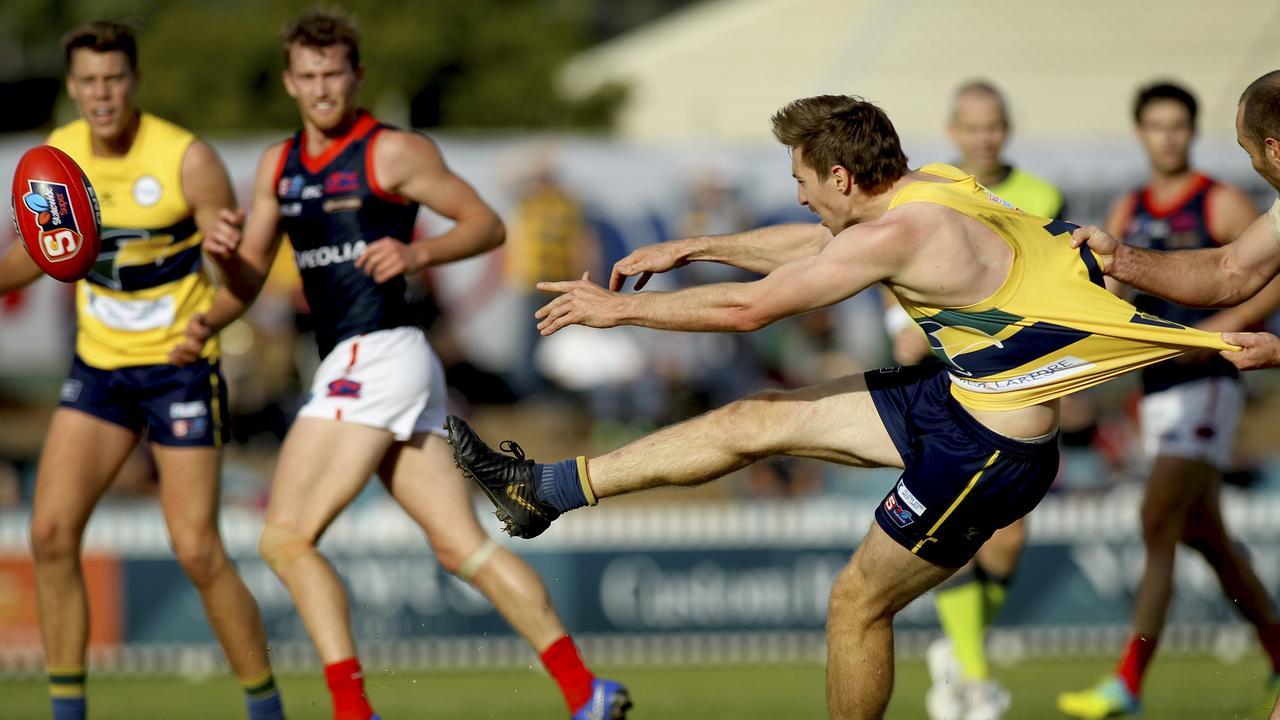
(1180, 225)
(331, 207)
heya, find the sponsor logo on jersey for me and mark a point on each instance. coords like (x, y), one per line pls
(344, 387)
(311, 192)
(900, 515)
(329, 255)
(909, 499)
(1054, 371)
(59, 233)
(291, 187)
(187, 410)
(292, 209)
(346, 203)
(341, 181)
(147, 191)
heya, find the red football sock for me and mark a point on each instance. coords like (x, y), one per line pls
(346, 687)
(565, 665)
(1134, 663)
(1269, 636)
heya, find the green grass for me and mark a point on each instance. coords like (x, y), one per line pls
(1178, 688)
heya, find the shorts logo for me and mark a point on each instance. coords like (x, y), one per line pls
(187, 410)
(71, 390)
(192, 428)
(340, 181)
(51, 204)
(909, 499)
(900, 515)
(344, 387)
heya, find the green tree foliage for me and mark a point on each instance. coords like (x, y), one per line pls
(215, 65)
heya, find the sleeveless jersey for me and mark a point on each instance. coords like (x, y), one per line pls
(1051, 329)
(331, 207)
(1182, 225)
(150, 277)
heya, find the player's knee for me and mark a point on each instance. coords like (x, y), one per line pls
(753, 420)
(1161, 525)
(280, 545)
(852, 601)
(201, 556)
(466, 564)
(53, 540)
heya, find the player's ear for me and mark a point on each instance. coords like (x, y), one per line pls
(289, 87)
(1272, 149)
(843, 180)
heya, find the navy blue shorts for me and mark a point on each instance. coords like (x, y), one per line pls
(962, 481)
(176, 406)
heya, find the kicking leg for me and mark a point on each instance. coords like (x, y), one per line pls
(190, 496)
(421, 476)
(882, 578)
(835, 421)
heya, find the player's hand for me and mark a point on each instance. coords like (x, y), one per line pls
(646, 261)
(188, 350)
(223, 238)
(1257, 350)
(581, 302)
(1099, 242)
(387, 257)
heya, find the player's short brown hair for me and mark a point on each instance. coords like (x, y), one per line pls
(985, 88)
(321, 27)
(1261, 102)
(101, 36)
(843, 130)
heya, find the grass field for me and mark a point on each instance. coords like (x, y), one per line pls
(1179, 688)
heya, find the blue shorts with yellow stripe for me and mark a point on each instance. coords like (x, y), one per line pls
(176, 406)
(962, 481)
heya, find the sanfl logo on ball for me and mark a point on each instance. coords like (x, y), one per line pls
(51, 204)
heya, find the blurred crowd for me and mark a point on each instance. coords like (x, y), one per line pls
(612, 386)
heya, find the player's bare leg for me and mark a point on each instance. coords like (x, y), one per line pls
(190, 497)
(80, 458)
(323, 465)
(421, 476)
(882, 578)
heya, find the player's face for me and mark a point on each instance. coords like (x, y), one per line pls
(1165, 131)
(103, 87)
(979, 131)
(324, 84)
(819, 195)
(1263, 158)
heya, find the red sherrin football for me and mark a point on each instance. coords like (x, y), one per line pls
(56, 213)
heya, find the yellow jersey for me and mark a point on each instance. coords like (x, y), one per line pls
(150, 277)
(1051, 329)
(1033, 194)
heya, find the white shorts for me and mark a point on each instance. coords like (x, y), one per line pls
(387, 379)
(1195, 420)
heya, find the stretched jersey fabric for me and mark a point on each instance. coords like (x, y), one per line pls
(150, 277)
(1051, 328)
(331, 207)
(1180, 225)
(1033, 195)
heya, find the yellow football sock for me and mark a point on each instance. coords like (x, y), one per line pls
(961, 610)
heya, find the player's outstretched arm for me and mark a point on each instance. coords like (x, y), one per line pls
(1231, 212)
(856, 259)
(17, 269)
(1217, 277)
(762, 250)
(410, 165)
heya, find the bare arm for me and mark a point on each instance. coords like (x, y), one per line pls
(410, 165)
(1230, 214)
(1215, 277)
(17, 269)
(762, 250)
(244, 270)
(856, 259)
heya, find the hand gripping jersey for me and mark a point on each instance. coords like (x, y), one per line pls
(331, 207)
(1052, 328)
(1180, 225)
(150, 277)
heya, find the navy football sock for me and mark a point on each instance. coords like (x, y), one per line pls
(561, 486)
